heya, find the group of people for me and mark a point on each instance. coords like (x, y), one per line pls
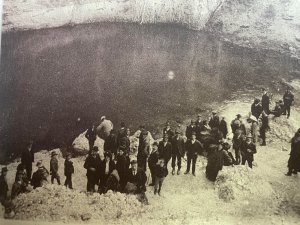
(119, 171)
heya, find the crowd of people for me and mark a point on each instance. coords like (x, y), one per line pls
(119, 171)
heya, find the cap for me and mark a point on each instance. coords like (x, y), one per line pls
(133, 161)
(239, 115)
(103, 117)
(54, 153)
(4, 169)
(39, 163)
(199, 115)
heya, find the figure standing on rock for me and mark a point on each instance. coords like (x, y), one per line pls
(256, 108)
(40, 177)
(190, 129)
(103, 130)
(152, 161)
(91, 135)
(248, 149)
(106, 168)
(214, 121)
(178, 150)
(288, 99)
(294, 160)
(27, 159)
(165, 149)
(92, 165)
(3, 186)
(54, 168)
(68, 170)
(265, 101)
(193, 148)
(264, 127)
(143, 148)
(168, 131)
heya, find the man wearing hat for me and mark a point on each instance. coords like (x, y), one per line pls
(168, 131)
(237, 124)
(92, 165)
(288, 99)
(3, 185)
(193, 148)
(265, 101)
(54, 168)
(143, 148)
(136, 179)
(68, 171)
(256, 108)
(39, 177)
(165, 149)
(152, 161)
(178, 150)
(214, 121)
(91, 135)
(248, 149)
(190, 129)
(27, 159)
(277, 112)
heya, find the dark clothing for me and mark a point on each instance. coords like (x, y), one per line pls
(21, 174)
(294, 160)
(236, 145)
(228, 159)
(223, 128)
(288, 99)
(111, 144)
(247, 151)
(139, 179)
(112, 182)
(264, 128)
(105, 174)
(39, 178)
(152, 161)
(122, 167)
(92, 176)
(277, 112)
(189, 130)
(193, 148)
(54, 170)
(143, 150)
(68, 171)
(121, 133)
(165, 151)
(236, 124)
(214, 122)
(193, 159)
(215, 162)
(178, 151)
(265, 103)
(161, 171)
(91, 135)
(27, 159)
(158, 184)
(17, 188)
(256, 110)
(124, 144)
(168, 132)
(3, 189)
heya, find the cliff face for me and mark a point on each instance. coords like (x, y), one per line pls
(35, 14)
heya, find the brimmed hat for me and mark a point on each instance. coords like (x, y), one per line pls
(249, 136)
(54, 153)
(4, 169)
(133, 161)
(193, 133)
(103, 117)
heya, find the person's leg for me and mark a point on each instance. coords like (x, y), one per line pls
(188, 164)
(237, 156)
(52, 179)
(29, 172)
(249, 161)
(70, 182)
(288, 111)
(263, 135)
(58, 178)
(156, 186)
(178, 163)
(161, 180)
(194, 164)
(173, 163)
(243, 160)
(289, 173)
(152, 176)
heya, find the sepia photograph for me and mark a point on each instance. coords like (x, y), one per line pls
(150, 112)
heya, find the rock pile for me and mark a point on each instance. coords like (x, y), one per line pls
(53, 203)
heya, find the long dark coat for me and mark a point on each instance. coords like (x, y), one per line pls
(294, 160)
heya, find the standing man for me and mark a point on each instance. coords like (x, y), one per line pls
(254, 129)
(288, 99)
(165, 149)
(152, 161)
(190, 129)
(68, 170)
(92, 165)
(137, 179)
(248, 149)
(54, 168)
(178, 150)
(124, 142)
(294, 160)
(40, 177)
(238, 138)
(264, 127)
(3, 186)
(223, 127)
(214, 121)
(143, 149)
(237, 124)
(28, 158)
(106, 168)
(265, 101)
(91, 135)
(193, 148)
(121, 132)
(168, 131)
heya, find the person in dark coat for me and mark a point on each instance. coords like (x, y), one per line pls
(294, 160)
(160, 172)
(68, 171)
(168, 131)
(277, 112)
(264, 127)
(193, 148)
(265, 101)
(178, 151)
(256, 108)
(112, 182)
(199, 123)
(19, 186)
(165, 149)
(223, 127)
(237, 124)
(190, 129)
(237, 141)
(27, 159)
(248, 149)
(152, 161)
(3, 186)
(92, 165)
(124, 142)
(111, 143)
(122, 167)
(121, 132)
(136, 179)
(91, 135)
(288, 99)
(227, 156)
(214, 121)
(143, 149)
(21, 173)
(39, 177)
(106, 167)
(54, 168)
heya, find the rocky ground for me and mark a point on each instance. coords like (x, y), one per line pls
(239, 196)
